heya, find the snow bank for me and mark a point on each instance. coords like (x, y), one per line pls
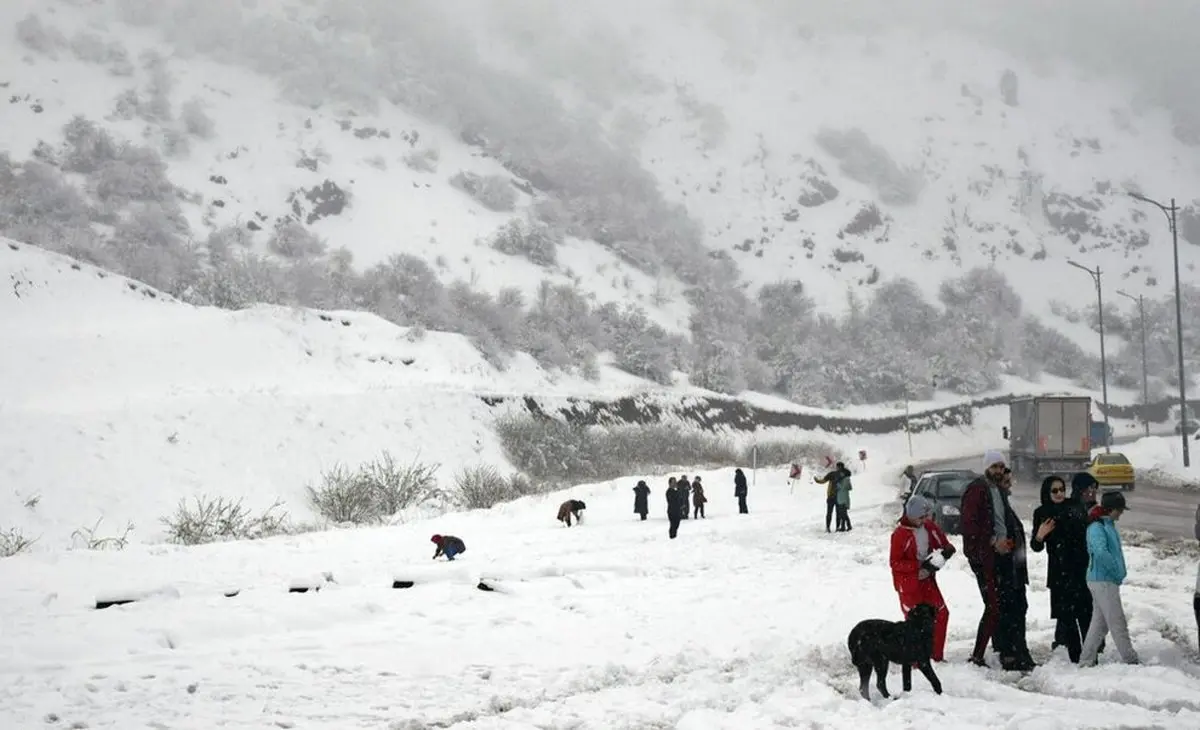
(738, 623)
(1159, 459)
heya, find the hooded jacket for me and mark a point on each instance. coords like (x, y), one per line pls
(1066, 545)
(641, 498)
(1107, 563)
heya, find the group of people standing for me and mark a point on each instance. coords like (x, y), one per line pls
(1086, 565)
(837, 496)
(682, 493)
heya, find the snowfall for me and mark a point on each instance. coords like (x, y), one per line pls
(123, 401)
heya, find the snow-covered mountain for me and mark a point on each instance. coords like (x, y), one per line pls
(679, 158)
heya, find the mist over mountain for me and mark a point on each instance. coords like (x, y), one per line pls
(840, 203)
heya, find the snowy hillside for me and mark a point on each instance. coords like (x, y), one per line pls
(118, 401)
(699, 166)
(739, 623)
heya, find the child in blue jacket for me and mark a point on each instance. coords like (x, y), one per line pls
(1105, 573)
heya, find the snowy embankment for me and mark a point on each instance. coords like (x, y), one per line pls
(1159, 459)
(739, 623)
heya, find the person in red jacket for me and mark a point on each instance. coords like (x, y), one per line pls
(919, 550)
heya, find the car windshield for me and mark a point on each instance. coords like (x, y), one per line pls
(952, 486)
(1109, 459)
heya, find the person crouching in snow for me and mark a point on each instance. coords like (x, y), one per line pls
(641, 500)
(919, 550)
(447, 545)
(698, 498)
(571, 508)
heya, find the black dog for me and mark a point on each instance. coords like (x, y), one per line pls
(875, 642)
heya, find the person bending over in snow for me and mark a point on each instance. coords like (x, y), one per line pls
(919, 550)
(447, 545)
(641, 500)
(698, 498)
(571, 508)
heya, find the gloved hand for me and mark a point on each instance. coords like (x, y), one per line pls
(948, 551)
(930, 566)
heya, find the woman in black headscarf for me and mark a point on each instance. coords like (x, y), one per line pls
(1060, 526)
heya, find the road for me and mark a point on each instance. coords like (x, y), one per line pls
(1165, 513)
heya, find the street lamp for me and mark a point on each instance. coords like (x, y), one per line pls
(1141, 302)
(1183, 407)
(1095, 274)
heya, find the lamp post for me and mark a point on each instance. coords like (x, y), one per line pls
(1183, 408)
(1141, 302)
(1095, 274)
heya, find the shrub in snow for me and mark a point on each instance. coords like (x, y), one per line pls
(196, 120)
(136, 174)
(175, 142)
(87, 146)
(86, 538)
(39, 37)
(91, 48)
(211, 520)
(778, 452)
(149, 246)
(862, 160)
(292, 240)
(494, 192)
(639, 346)
(532, 239)
(159, 85)
(550, 450)
(127, 106)
(1009, 88)
(422, 160)
(377, 489)
(14, 542)
(482, 487)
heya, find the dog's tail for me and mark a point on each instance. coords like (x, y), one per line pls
(855, 644)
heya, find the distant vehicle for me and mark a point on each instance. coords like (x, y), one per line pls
(1049, 435)
(944, 490)
(1112, 470)
(1101, 434)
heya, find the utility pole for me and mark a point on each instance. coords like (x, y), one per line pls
(1141, 302)
(1183, 406)
(1095, 274)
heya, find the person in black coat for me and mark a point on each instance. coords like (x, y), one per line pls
(1060, 527)
(641, 500)
(686, 487)
(740, 490)
(676, 506)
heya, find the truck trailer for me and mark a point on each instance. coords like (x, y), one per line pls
(1050, 435)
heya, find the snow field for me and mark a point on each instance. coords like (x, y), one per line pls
(738, 623)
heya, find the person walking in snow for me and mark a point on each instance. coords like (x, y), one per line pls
(676, 506)
(641, 500)
(698, 499)
(1060, 527)
(447, 545)
(830, 481)
(842, 494)
(686, 487)
(1106, 572)
(740, 491)
(909, 475)
(994, 544)
(919, 550)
